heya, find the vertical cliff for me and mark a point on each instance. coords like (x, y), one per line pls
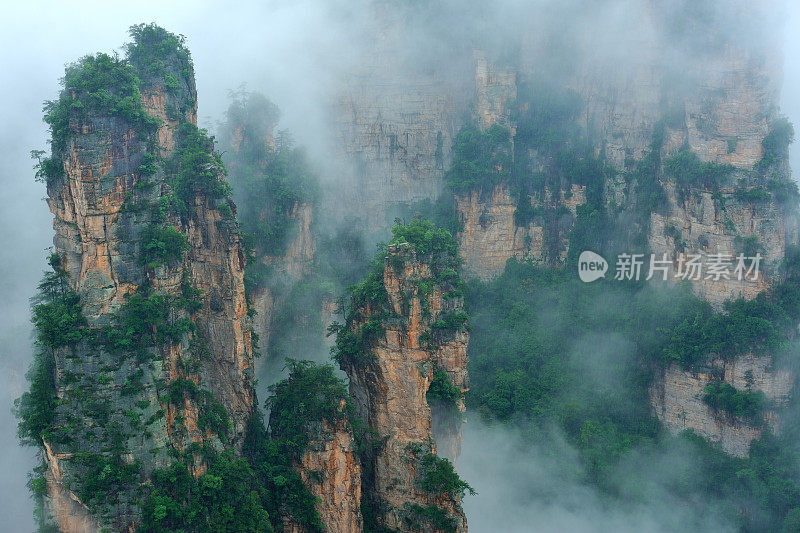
(677, 399)
(654, 138)
(310, 423)
(490, 234)
(275, 191)
(393, 120)
(404, 350)
(146, 240)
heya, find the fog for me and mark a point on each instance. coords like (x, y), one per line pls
(295, 52)
(526, 485)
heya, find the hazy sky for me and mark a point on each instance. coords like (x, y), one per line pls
(288, 49)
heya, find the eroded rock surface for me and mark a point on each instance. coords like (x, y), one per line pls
(389, 388)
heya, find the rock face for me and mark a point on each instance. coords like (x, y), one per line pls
(720, 106)
(495, 90)
(677, 399)
(128, 413)
(389, 389)
(70, 513)
(704, 223)
(490, 235)
(393, 122)
(331, 470)
(287, 269)
(396, 136)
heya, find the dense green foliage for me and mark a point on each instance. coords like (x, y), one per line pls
(366, 304)
(434, 245)
(521, 366)
(162, 246)
(227, 497)
(442, 391)
(48, 169)
(480, 158)
(551, 154)
(689, 171)
(271, 178)
(196, 168)
(312, 393)
(106, 475)
(58, 320)
(212, 415)
(776, 143)
(418, 516)
(762, 489)
(154, 50)
(745, 404)
(525, 363)
(752, 195)
(438, 477)
(56, 313)
(253, 492)
(784, 191)
(760, 324)
(546, 348)
(100, 84)
(147, 320)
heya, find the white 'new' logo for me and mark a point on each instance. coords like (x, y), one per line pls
(591, 266)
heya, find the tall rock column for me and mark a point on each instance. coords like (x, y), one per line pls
(411, 331)
(146, 239)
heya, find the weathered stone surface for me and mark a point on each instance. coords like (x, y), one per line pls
(287, 269)
(101, 206)
(699, 223)
(490, 237)
(331, 470)
(70, 513)
(389, 391)
(495, 90)
(676, 398)
(396, 137)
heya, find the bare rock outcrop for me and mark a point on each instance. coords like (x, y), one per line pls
(490, 235)
(389, 386)
(676, 397)
(331, 471)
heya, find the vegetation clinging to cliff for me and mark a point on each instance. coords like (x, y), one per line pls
(775, 145)
(270, 175)
(366, 304)
(227, 497)
(161, 246)
(439, 477)
(154, 49)
(97, 84)
(197, 169)
(481, 159)
(746, 404)
(59, 322)
(311, 394)
(689, 171)
(251, 493)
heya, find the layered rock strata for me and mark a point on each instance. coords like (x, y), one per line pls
(389, 388)
(124, 409)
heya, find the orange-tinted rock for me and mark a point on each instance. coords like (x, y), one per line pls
(389, 390)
